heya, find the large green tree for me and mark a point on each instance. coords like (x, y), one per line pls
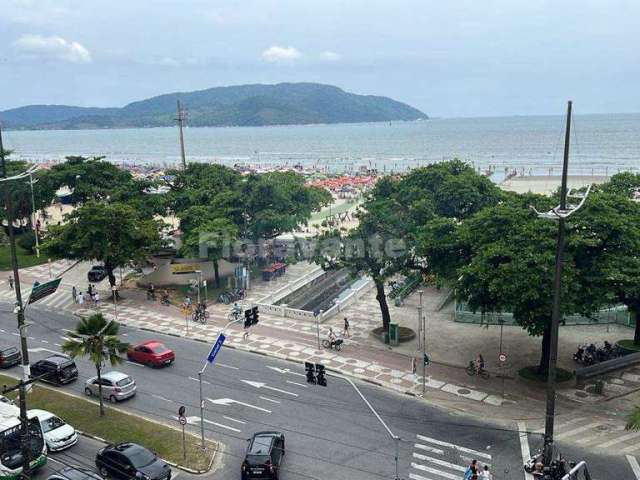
(213, 238)
(113, 233)
(97, 339)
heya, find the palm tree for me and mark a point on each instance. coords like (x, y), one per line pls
(97, 339)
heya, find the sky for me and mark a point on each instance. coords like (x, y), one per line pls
(449, 58)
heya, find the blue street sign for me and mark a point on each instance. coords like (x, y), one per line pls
(216, 348)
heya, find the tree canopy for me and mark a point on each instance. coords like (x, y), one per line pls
(114, 233)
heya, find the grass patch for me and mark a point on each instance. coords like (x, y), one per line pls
(531, 373)
(634, 420)
(25, 257)
(116, 426)
(628, 344)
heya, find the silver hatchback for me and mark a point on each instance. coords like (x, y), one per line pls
(115, 386)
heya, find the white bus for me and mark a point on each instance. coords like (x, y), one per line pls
(10, 449)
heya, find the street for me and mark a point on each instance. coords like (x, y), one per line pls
(330, 432)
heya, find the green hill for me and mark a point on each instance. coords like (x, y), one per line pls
(243, 105)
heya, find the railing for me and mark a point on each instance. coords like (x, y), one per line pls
(291, 287)
(607, 366)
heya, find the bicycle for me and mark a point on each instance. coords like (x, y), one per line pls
(233, 316)
(472, 370)
(200, 316)
(337, 344)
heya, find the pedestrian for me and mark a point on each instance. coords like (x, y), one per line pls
(96, 298)
(11, 282)
(80, 299)
(74, 294)
(414, 365)
(345, 333)
(485, 474)
(471, 470)
(90, 290)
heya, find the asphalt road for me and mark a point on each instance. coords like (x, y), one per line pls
(330, 432)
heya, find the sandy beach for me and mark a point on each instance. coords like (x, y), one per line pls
(547, 185)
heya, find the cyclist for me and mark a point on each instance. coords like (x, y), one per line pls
(479, 363)
(236, 310)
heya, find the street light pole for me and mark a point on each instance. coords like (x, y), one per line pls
(34, 215)
(19, 310)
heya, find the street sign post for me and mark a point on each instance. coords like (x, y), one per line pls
(216, 348)
(502, 357)
(183, 421)
(43, 290)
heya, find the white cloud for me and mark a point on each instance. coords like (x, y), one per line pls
(330, 56)
(52, 47)
(278, 54)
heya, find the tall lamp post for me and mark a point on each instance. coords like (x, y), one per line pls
(559, 213)
(34, 214)
(19, 309)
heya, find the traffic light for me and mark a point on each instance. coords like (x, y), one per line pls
(254, 319)
(310, 368)
(247, 318)
(320, 378)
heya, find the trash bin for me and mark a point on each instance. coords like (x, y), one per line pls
(394, 333)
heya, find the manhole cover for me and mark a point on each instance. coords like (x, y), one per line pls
(603, 428)
(581, 394)
(464, 391)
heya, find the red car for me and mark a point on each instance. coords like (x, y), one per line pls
(151, 353)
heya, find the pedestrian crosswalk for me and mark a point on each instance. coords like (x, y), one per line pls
(433, 458)
(61, 300)
(596, 433)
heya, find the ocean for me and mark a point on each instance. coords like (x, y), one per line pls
(600, 144)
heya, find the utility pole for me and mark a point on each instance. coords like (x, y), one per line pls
(24, 421)
(181, 119)
(559, 213)
(34, 215)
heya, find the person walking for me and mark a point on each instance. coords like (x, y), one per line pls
(74, 294)
(90, 290)
(11, 282)
(471, 471)
(96, 298)
(80, 299)
(345, 332)
(485, 474)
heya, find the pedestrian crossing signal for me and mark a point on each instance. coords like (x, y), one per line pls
(311, 374)
(320, 378)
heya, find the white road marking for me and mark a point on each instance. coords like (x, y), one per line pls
(413, 476)
(424, 468)
(285, 371)
(264, 385)
(42, 349)
(196, 380)
(298, 384)
(524, 447)
(229, 401)
(634, 466)
(44, 341)
(31, 338)
(14, 333)
(160, 397)
(437, 461)
(455, 447)
(231, 419)
(269, 399)
(3, 331)
(623, 438)
(578, 430)
(57, 345)
(429, 449)
(134, 363)
(210, 422)
(227, 366)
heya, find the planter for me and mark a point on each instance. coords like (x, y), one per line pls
(406, 334)
(627, 346)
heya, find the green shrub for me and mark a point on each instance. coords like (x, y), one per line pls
(27, 241)
(634, 420)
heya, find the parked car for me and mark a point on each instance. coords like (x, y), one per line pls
(97, 273)
(57, 433)
(60, 369)
(74, 473)
(151, 353)
(264, 456)
(129, 460)
(116, 386)
(9, 356)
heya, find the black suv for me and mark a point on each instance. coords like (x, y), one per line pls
(97, 273)
(131, 461)
(60, 369)
(264, 456)
(9, 356)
